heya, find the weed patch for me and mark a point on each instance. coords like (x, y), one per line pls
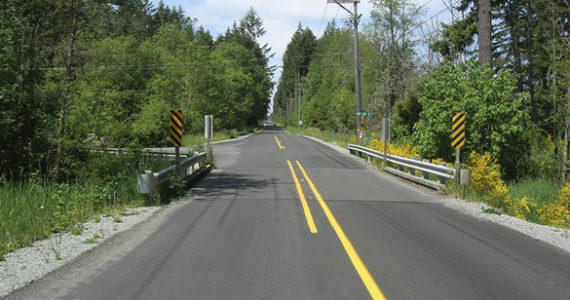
(34, 208)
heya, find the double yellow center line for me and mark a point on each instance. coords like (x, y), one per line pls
(360, 267)
(279, 143)
(306, 209)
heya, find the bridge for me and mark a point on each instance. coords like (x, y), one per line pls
(286, 217)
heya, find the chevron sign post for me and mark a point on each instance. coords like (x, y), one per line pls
(176, 135)
(176, 127)
(458, 131)
(458, 139)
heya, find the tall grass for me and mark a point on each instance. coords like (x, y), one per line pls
(34, 208)
(541, 190)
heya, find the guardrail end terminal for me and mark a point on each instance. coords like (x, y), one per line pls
(146, 183)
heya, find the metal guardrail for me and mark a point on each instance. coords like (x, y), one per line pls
(160, 152)
(441, 171)
(147, 183)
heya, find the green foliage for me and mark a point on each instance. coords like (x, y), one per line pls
(544, 162)
(328, 99)
(35, 208)
(151, 125)
(405, 114)
(494, 122)
(542, 190)
(455, 39)
(296, 60)
(69, 69)
(24, 111)
(393, 36)
(341, 110)
(172, 188)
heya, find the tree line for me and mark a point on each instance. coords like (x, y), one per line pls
(503, 63)
(114, 69)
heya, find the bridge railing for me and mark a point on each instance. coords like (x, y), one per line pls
(147, 183)
(425, 167)
(156, 152)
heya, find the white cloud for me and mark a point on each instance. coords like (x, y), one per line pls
(280, 18)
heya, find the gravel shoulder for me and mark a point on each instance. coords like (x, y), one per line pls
(28, 264)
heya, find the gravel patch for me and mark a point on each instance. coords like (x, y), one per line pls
(558, 237)
(29, 264)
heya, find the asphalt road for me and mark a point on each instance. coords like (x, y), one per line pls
(285, 217)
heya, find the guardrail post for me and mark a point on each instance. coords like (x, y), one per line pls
(411, 170)
(401, 167)
(177, 161)
(441, 178)
(465, 176)
(425, 174)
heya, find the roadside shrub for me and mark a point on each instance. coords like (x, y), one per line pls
(404, 149)
(558, 213)
(405, 114)
(354, 139)
(543, 159)
(492, 109)
(483, 171)
(486, 178)
(526, 209)
(541, 190)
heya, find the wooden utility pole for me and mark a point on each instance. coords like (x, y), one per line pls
(299, 89)
(566, 137)
(484, 32)
(355, 21)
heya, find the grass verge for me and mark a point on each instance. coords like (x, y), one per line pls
(543, 191)
(34, 208)
(337, 138)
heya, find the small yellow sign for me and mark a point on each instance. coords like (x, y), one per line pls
(458, 131)
(176, 127)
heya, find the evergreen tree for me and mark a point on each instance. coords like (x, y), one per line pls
(296, 61)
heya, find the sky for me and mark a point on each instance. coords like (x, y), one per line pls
(281, 18)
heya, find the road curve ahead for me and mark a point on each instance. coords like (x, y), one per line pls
(285, 217)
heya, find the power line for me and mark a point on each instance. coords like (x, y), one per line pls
(322, 18)
(314, 55)
(435, 15)
(337, 11)
(157, 67)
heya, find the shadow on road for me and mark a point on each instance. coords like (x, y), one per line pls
(270, 129)
(219, 184)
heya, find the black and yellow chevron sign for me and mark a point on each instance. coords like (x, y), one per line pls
(176, 127)
(458, 131)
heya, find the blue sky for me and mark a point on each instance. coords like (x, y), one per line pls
(280, 18)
